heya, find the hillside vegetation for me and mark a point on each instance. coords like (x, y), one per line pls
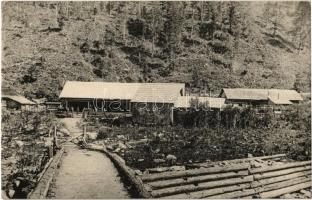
(207, 45)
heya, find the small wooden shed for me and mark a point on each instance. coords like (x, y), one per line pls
(17, 102)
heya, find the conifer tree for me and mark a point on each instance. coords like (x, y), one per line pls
(301, 24)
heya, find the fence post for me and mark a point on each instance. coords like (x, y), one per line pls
(55, 136)
(84, 132)
(171, 115)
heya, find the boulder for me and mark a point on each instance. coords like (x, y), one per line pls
(92, 135)
(11, 193)
(158, 161)
(171, 159)
(138, 172)
(157, 150)
(121, 145)
(117, 150)
(109, 147)
(65, 132)
(306, 193)
(121, 137)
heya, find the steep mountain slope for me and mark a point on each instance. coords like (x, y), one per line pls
(207, 45)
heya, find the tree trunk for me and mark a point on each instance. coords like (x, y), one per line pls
(192, 23)
(67, 12)
(125, 28)
(153, 37)
(290, 189)
(139, 9)
(196, 179)
(202, 11)
(200, 186)
(193, 172)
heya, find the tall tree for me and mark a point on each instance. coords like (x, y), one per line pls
(273, 16)
(173, 27)
(301, 24)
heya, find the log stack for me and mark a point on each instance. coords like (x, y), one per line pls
(258, 177)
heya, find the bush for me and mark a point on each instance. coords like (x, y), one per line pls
(202, 144)
(152, 117)
(22, 141)
(299, 117)
(229, 117)
(104, 132)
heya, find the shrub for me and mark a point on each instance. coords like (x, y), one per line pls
(243, 117)
(152, 116)
(299, 117)
(103, 133)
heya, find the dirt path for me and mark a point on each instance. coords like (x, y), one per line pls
(71, 126)
(86, 174)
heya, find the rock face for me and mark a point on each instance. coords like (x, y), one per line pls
(44, 42)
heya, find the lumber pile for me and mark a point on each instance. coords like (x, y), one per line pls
(241, 178)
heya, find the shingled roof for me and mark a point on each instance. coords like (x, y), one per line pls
(260, 94)
(211, 102)
(136, 92)
(19, 99)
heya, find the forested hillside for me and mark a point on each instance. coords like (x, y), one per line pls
(207, 45)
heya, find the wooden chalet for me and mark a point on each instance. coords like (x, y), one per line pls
(119, 97)
(243, 96)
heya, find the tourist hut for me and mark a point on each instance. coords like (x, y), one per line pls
(244, 96)
(17, 102)
(119, 97)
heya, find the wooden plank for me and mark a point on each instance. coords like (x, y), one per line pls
(277, 156)
(279, 167)
(196, 179)
(283, 184)
(232, 195)
(46, 166)
(193, 172)
(281, 172)
(253, 191)
(260, 189)
(290, 189)
(247, 197)
(200, 186)
(209, 192)
(280, 178)
(42, 187)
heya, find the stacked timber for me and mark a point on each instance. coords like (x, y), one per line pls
(237, 179)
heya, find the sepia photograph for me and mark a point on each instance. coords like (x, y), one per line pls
(156, 99)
